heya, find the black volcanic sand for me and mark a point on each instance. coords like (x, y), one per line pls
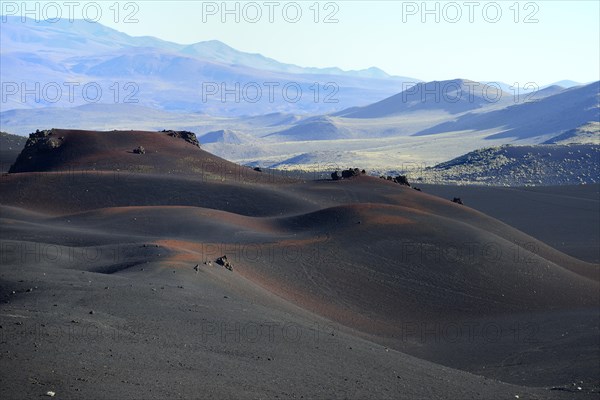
(349, 289)
(564, 217)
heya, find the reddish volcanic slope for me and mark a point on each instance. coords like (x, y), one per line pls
(389, 267)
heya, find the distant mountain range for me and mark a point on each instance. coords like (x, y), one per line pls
(208, 77)
(82, 38)
(556, 113)
(452, 96)
(461, 106)
(72, 61)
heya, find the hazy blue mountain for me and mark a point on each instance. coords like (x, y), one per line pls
(554, 114)
(547, 91)
(315, 128)
(565, 83)
(451, 96)
(224, 136)
(173, 76)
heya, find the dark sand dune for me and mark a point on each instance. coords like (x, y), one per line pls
(86, 190)
(348, 289)
(564, 217)
(71, 150)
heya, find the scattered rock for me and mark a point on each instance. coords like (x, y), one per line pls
(196, 268)
(402, 180)
(347, 173)
(224, 262)
(139, 150)
(50, 393)
(457, 200)
(350, 172)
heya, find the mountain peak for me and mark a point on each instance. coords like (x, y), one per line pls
(453, 96)
(209, 44)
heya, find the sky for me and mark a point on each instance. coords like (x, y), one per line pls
(514, 42)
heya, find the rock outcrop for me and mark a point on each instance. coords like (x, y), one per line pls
(347, 173)
(38, 142)
(188, 136)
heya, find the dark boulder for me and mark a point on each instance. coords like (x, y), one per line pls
(188, 136)
(457, 200)
(402, 180)
(224, 262)
(139, 150)
(349, 173)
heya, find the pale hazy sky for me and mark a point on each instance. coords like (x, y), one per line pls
(537, 41)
